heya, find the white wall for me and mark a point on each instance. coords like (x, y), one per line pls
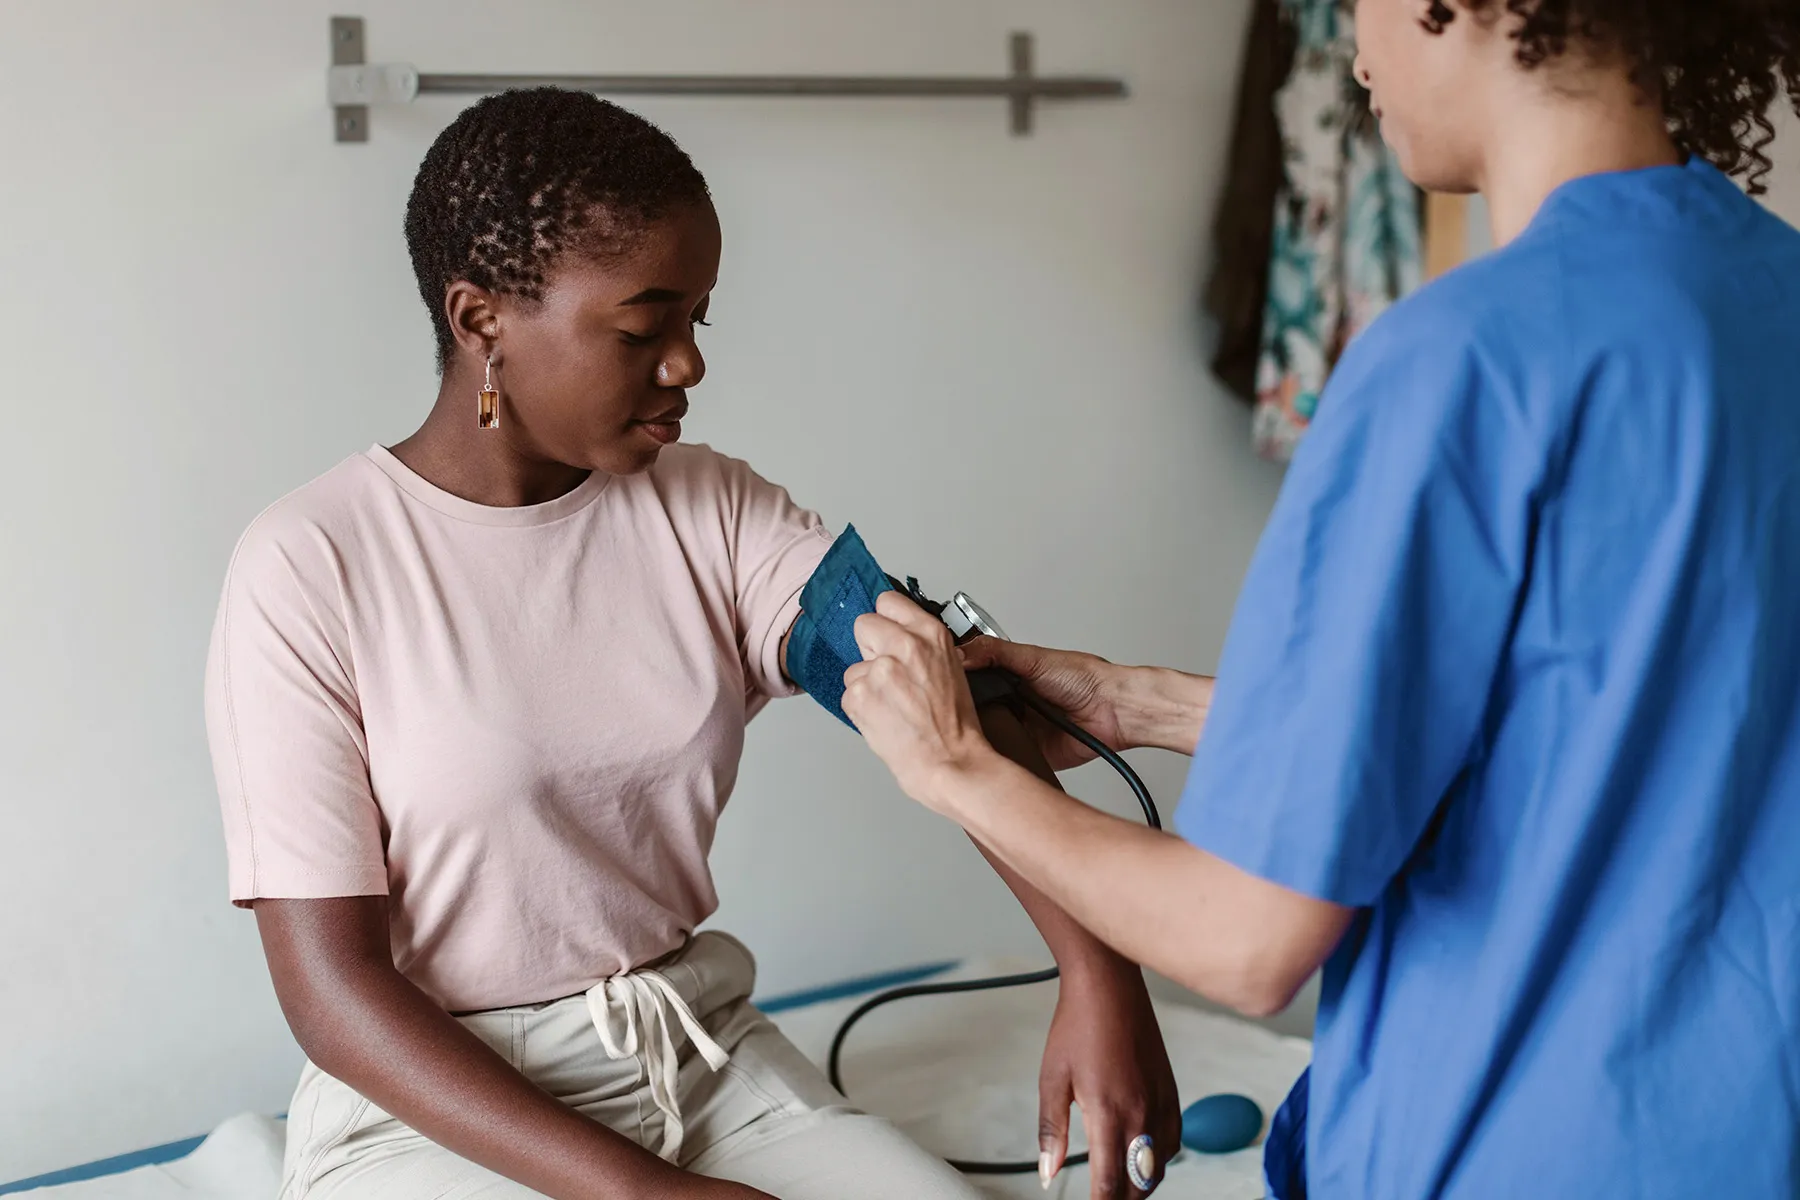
(1784, 183)
(982, 350)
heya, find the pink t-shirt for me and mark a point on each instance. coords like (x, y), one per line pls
(519, 724)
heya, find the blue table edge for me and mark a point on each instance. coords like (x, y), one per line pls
(862, 985)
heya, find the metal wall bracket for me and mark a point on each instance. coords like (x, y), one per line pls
(351, 120)
(354, 84)
(1020, 101)
(373, 83)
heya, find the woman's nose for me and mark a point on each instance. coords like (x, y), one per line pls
(683, 367)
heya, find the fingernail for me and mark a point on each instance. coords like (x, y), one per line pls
(1046, 1169)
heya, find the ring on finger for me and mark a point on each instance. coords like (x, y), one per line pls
(1140, 1163)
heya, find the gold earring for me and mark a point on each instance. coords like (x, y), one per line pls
(487, 412)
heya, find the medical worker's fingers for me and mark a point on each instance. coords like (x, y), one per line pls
(1056, 1093)
(911, 702)
(923, 647)
(1024, 660)
(900, 629)
(902, 611)
(1082, 686)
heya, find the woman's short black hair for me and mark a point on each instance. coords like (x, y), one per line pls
(1718, 66)
(523, 178)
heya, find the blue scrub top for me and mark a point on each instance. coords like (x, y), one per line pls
(1516, 673)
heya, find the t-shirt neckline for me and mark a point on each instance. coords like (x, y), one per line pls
(432, 496)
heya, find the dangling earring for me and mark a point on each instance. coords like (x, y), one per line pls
(487, 412)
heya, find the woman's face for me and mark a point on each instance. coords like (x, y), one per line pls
(596, 374)
(1426, 87)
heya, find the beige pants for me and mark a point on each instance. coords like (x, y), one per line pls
(765, 1117)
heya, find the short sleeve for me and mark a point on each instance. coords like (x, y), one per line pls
(775, 547)
(285, 728)
(1360, 661)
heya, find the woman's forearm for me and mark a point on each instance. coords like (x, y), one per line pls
(394, 1046)
(1077, 951)
(1160, 708)
(360, 1021)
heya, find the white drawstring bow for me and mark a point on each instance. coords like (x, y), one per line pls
(643, 1000)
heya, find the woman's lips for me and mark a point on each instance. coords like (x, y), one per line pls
(664, 433)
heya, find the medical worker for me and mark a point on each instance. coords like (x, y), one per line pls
(1506, 734)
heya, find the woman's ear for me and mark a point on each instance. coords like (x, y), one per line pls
(474, 316)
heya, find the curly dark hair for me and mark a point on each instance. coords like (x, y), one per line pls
(1718, 66)
(522, 178)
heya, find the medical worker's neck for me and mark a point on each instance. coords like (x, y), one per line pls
(1549, 135)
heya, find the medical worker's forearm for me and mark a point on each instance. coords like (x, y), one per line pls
(1235, 939)
(363, 1023)
(1125, 707)
(1161, 708)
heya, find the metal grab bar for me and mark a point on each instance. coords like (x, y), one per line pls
(355, 84)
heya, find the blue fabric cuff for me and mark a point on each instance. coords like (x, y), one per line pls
(822, 644)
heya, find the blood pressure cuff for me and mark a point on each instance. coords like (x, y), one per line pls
(822, 644)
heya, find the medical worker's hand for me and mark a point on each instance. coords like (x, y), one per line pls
(1106, 1054)
(1081, 685)
(910, 699)
(1125, 707)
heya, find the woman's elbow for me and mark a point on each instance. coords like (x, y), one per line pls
(314, 1029)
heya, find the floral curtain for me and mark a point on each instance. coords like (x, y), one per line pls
(1347, 238)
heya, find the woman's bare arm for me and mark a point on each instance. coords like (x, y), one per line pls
(359, 1020)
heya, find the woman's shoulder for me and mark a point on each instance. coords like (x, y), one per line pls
(699, 462)
(303, 532)
(700, 488)
(697, 473)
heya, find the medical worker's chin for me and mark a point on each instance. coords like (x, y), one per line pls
(1424, 163)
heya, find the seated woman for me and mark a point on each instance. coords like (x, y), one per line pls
(476, 702)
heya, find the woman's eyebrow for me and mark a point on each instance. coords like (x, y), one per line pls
(655, 295)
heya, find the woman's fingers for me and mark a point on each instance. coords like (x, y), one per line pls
(1055, 1096)
(1106, 1138)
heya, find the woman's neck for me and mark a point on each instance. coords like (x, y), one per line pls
(494, 467)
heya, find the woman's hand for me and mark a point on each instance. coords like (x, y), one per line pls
(910, 699)
(1106, 1054)
(1080, 685)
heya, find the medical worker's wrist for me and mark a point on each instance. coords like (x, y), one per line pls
(1160, 709)
(962, 785)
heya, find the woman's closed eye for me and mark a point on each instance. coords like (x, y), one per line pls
(633, 338)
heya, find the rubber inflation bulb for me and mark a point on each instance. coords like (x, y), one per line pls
(1221, 1124)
